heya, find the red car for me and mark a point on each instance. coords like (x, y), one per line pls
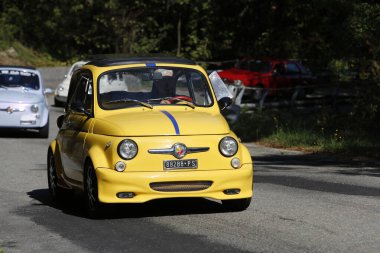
(269, 74)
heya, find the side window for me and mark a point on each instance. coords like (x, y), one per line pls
(201, 94)
(292, 69)
(82, 95)
(88, 100)
(279, 69)
(181, 86)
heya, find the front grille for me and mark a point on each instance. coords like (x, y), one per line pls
(184, 186)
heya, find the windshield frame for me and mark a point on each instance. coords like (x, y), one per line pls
(209, 89)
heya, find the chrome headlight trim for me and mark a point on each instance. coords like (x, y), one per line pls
(228, 146)
(127, 149)
(120, 166)
(34, 108)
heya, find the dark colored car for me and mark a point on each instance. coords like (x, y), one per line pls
(268, 73)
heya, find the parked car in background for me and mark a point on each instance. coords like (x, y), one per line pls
(23, 104)
(138, 129)
(60, 94)
(271, 74)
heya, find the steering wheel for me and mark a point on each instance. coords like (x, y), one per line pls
(182, 97)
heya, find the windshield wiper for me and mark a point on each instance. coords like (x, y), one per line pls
(3, 86)
(190, 104)
(130, 100)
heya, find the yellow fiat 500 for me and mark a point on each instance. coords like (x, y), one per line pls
(139, 129)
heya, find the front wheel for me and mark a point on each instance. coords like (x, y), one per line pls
(236, 204)
(56, 192)
(93, 206)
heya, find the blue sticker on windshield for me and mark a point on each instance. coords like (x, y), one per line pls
(150, 64)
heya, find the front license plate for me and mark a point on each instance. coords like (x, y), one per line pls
(181, 164)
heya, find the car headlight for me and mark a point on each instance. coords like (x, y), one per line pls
(228, 146)
(127, 149)
(34, 108)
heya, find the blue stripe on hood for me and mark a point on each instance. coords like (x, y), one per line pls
(172, 119)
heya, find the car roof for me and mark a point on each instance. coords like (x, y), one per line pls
(106, 62)
(80, 62)
(17, 67)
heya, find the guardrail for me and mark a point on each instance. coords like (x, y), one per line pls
(306, 99)
(291, 97)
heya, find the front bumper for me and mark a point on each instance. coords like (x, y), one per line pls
(61, 94)
(62, 99)
(111, 182)
(15, 115)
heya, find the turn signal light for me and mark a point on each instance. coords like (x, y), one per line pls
(125, 195)
(231, 191)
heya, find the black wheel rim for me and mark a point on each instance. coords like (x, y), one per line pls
(52, 178)
(91, 190)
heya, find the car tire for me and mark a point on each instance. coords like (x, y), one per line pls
(57, 193)
(43, 132)
(93, 206)
(236, 204)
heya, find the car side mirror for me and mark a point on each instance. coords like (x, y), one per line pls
(48, 91)
(80, 108)
(60, 121)
(224, 102)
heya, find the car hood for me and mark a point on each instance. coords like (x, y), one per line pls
(20, 96)
(65, 83)
(161, 122)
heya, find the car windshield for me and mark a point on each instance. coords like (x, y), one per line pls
(255, 66)
(19, 78)
(151, 86)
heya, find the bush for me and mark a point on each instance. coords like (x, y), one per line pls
(324, 131)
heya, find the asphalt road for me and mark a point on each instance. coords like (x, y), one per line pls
(302, 203)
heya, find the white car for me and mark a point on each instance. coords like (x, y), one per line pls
(60, 94)
(23, 104)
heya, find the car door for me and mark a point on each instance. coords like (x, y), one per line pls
(292, 74)
(278, 77)
(76, 126)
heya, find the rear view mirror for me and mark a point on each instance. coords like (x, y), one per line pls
(146, 77)
(157, 76)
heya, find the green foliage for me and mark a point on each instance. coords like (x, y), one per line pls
(17, 54)
(319, 30)
(323, 132)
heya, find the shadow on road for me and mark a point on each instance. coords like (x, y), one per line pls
(19, 133)
(128, 228)
(320, 186)
(73, 204)
(338, 165)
